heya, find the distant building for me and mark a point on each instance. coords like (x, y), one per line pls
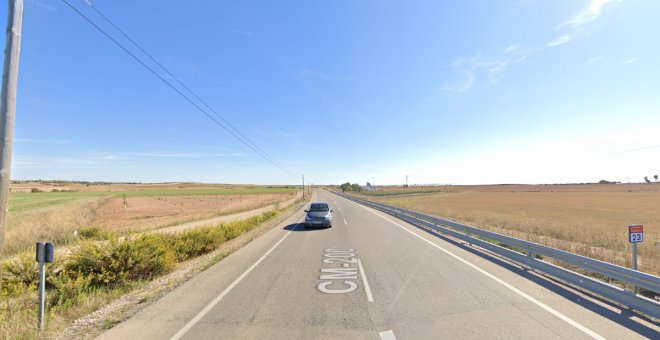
(369, 187)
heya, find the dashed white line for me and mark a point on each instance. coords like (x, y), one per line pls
(500, 281)
(345, 223)
(387, 335)
(370, 297)
(215, 301)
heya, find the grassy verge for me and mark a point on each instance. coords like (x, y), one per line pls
(98, 272)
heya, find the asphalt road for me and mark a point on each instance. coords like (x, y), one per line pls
(371, 276)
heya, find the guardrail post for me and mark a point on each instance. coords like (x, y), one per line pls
(530, 257)
(467, 237)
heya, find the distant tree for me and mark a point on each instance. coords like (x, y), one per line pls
(646, 178)
(369, 184)
(356, 187)
(346, 187)
(656, 177)
(604, 181)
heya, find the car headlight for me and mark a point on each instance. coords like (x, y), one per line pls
(328, 218)
(307, 218)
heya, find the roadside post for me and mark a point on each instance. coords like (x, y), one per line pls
(635, 235)
(45, 254)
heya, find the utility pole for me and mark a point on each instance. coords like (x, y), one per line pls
(8, 105)
(303, 177)
(406, 181)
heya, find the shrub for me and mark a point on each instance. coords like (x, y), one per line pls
(35, 190)
(121, 261)
(232, 230)
(68, 288)
(194, 243)
(19, 275)
(94, 233)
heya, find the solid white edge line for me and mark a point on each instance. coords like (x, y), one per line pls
(370, 297)
(387, 335)
(215, 301)
(500, 281)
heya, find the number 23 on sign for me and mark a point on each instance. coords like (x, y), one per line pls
(636, 233)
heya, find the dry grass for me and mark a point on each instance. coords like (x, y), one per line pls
(55, 216)
(21, 321)
(95, 274)
(590, 220)
(52, 224)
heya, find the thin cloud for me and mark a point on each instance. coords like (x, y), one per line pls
(489, 69)
(576, 24)
(58, 163)
(100, 159)
(561, 40)
(589, 14)
(632, 60)
(593, 60)
(41, 141)
(185, 154)
(42, 5)
(511, 48)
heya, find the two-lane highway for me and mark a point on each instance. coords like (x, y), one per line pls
(371, 276)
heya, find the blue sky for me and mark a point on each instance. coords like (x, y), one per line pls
(461, 92)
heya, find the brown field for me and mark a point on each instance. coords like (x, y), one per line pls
(588, 219)
(151, 212)
(55, 216)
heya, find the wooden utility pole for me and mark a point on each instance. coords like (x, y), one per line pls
(303, 178)
(8, 105)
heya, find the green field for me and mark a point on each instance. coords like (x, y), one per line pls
(20, 202)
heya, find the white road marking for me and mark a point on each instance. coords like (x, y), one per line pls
(346, 223)
(215, 301)
(387, 335)
(500, 281)
(370, 297)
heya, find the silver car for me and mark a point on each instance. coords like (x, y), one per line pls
(318, 215)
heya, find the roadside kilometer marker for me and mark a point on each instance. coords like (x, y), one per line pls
(335, 279)
(636, 233)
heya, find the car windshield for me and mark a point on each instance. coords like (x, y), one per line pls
(319, 207)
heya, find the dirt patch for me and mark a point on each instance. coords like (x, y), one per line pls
(143, 213)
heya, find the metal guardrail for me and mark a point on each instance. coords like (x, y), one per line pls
(478, 236)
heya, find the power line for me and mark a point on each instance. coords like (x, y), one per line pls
(180, 82)
(253, 148)
(603, 155)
